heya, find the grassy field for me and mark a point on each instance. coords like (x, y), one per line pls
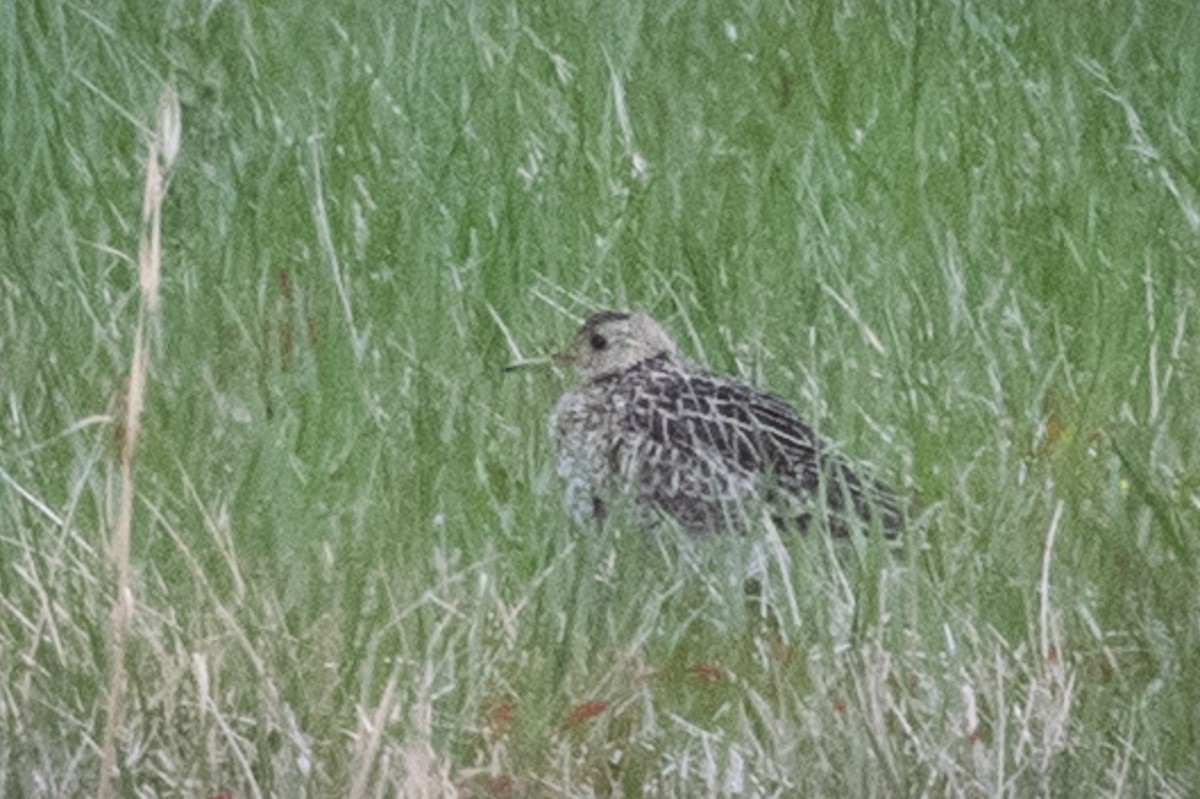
(963, 238)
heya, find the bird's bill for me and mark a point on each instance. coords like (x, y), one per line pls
(531, 363)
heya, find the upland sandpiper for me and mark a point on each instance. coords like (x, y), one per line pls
(649, 430)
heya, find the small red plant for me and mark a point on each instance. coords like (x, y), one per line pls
(709, 672)
(582, 713)
(500, 719)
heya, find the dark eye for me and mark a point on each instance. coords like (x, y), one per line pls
(598, 341)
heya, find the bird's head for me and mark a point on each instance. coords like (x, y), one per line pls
(611, 342)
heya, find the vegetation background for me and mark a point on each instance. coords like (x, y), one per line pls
(962, 237)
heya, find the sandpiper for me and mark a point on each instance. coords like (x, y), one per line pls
(649, 429)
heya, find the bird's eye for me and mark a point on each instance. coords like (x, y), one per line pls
(598, 342)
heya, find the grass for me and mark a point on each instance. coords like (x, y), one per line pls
(961, 237)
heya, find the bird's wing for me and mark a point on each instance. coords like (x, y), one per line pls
(744, 429)
(739, 430)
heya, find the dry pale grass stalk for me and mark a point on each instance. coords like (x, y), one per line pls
(163, 147)
(369, 745)
(1046, 623)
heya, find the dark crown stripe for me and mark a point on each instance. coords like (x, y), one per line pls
(602, 317)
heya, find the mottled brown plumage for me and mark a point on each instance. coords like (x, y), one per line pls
(649, 429)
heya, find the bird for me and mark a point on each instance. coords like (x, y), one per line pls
(647, 429)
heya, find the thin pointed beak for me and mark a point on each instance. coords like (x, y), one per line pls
(531, 363)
